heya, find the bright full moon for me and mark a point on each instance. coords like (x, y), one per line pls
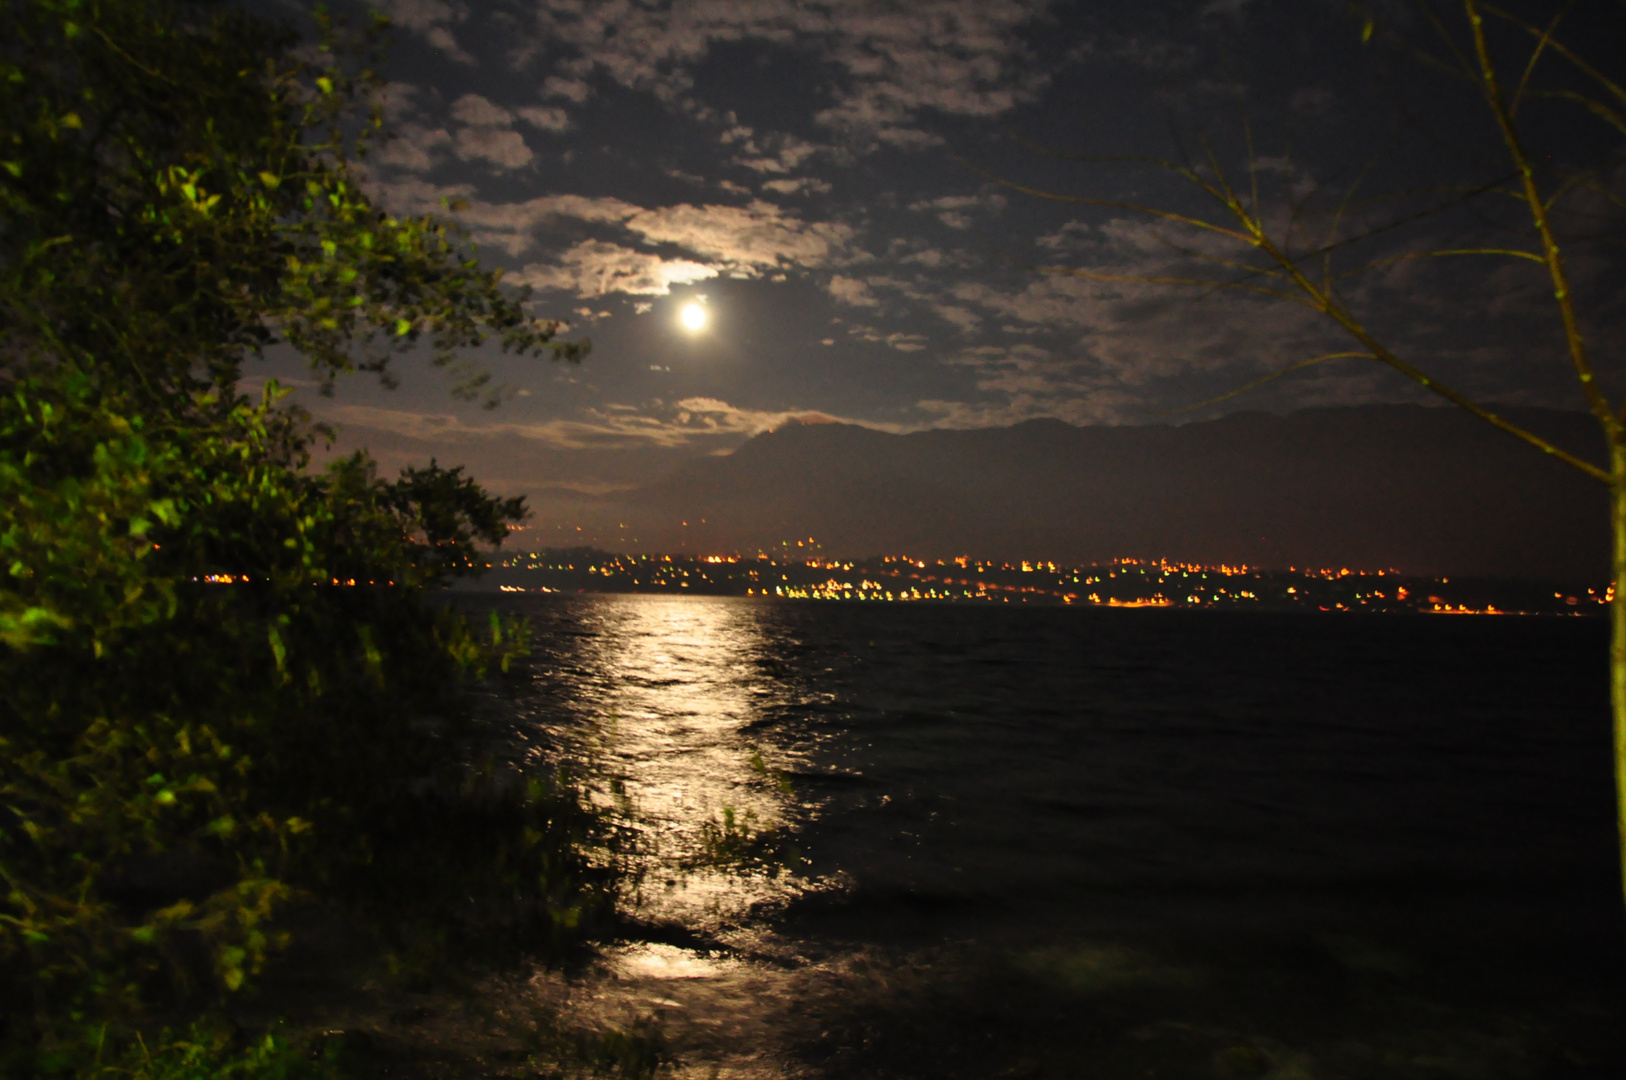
(693, 317)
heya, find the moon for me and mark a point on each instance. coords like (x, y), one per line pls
(693, 317)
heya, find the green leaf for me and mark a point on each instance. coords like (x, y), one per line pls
(278, 651)
(164, 510)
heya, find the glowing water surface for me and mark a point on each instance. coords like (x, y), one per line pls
(660, 699)
(1114, 844)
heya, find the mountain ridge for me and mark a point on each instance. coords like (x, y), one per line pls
(1419, 489)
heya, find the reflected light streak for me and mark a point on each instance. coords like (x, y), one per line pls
(678, 682)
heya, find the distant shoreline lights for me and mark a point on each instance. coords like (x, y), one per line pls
(1121, 583)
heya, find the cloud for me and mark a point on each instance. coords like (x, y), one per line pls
(937, 259)
(1095, 351)
(420, 16)
(501, 147)
(773, 154)
(1072, 236)
(413, 147)
(488, 135)
(713, 416)
(474, 109)
(851, 291)
(596, 267)
(802, 185)
(569, 89)
(545, 117)
(954, 210)
(1125, 338)
(513, 227)
(962, 317)
(896, 340)
(894, 62)
(955, 57)
(536, 211)
(412, 144)
(947, 202)
(743, 241)
(431, 20)
(689, 422)
(400, 101)
(1160, 54)
(1101, 407)
(1026, 382)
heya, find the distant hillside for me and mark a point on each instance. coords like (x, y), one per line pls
(1422, 490)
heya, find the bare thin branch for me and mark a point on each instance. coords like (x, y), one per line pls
(1613, 117)
(1613, 197)
(1226, 196)
(1535, 56)
(1582, 179)
(1538, 212)
(1248, 269)
(1467, 195)
(1159, 279)
(1118, 204)
(1272, 377)
(1093, 159)
(1414, 255)
(1329, 305)
(1253, 167)
(1465, 69)
(1562, 50)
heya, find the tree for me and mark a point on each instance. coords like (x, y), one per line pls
(212, 652)
(1556, 189)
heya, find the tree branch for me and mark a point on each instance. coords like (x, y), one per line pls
(1273, 376)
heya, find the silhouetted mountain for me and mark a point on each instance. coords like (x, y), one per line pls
(1422, 490)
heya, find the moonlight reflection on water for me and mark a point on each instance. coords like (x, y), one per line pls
(668, 693)
(660, 702)
(1103, 843)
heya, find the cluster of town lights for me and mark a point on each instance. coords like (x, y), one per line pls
(1122, 583)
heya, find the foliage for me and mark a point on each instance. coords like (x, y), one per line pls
(221, 682)
(180, 186)
(450, 511)
(737, 842)
(205, 1052)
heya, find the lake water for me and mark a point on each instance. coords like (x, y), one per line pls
(1046, 843)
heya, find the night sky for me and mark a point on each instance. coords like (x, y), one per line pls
(820, 177)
